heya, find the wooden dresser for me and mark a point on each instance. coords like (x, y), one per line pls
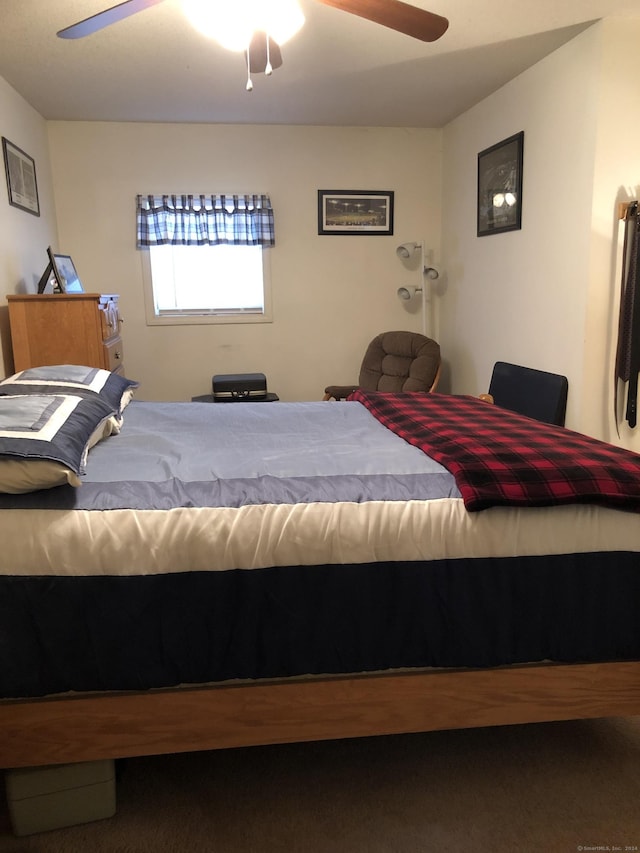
(66, 328)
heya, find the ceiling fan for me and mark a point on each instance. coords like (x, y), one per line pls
(263, 52)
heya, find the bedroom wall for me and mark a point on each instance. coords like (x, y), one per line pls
(23, 237)
(521, 296)
(547, 296)
(331, 295)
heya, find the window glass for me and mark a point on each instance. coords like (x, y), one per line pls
(204, 284)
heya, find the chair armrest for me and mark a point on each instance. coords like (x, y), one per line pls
(338, 392)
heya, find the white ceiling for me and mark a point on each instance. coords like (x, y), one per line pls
(339, 70)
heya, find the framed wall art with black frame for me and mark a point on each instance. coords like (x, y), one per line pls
(500, 186)
(22, 185)
(355, 212)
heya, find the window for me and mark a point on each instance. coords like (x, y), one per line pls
(205, 258)
(207, 284)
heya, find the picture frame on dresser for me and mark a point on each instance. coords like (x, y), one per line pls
(61, 273)
(66, 274)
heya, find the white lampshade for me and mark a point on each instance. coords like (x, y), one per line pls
(406, 250)
(408, 292)
(232, 23)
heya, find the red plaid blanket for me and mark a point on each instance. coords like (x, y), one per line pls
(500, 458)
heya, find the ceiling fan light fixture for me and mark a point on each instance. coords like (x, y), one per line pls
(232, 23)
(282, 19)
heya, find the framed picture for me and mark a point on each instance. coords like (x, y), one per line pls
(65, 274)
(21, 178)
(500, 186)
(355, 212)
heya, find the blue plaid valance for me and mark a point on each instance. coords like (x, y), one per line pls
(204, 220)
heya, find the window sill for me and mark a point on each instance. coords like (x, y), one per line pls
(205, 319)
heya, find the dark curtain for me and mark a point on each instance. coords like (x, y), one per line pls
(628, 351)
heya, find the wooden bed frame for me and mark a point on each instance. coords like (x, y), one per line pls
(85, 728)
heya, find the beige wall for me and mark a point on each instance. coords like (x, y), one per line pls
(547, 296)
(331, 294)
(521, 296)
(23, 237)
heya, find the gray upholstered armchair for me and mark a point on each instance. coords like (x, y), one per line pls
(395, 361)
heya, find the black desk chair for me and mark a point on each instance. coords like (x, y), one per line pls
(530, 392)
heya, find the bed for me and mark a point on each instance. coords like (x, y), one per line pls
(238, 574)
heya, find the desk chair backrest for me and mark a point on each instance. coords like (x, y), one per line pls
(530, 392)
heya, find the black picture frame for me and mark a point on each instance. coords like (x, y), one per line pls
(60, 275)
(355, 212)
(500, 186)
(22, 184)
(65, 273)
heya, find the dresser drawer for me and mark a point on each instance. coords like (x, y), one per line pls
(114, 355)
(109, 318)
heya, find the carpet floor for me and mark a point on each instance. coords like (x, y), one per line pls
(550, 788)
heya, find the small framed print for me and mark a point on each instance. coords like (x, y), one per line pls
(500, 186)
(21, 178)
(65, 274)
(355, 212)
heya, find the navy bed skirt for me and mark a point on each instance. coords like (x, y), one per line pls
(59, 634)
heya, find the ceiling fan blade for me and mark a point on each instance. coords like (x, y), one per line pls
(418, 23)
(258, 53)
(105, 18)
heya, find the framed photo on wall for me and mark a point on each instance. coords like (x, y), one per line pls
(500, 186)
(20, 170)
(355, 212)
